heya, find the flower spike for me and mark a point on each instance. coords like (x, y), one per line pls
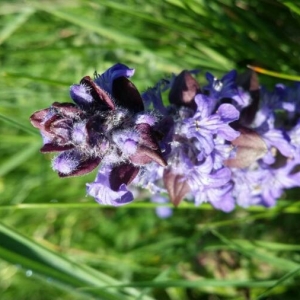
(230, 142)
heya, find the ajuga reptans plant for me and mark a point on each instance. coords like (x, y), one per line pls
(229, 142)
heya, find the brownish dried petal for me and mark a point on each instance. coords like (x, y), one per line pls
(144, 155)
(176, 186)
(97, 93)
(250, 147)
(86, 166)
(48, 124)
(124, 173)
(52, 147)
(127, 95)
(184, 90)
(68, 110)
(249, 82)
(61, 129)
(148, 146)
(38, 118)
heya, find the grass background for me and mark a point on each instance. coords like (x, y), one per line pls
(56, 243)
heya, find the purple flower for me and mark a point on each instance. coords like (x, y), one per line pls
(242, 99)
(277, 139)
(103, 192)
(246, 187)
(228, 114)
(161, 211)
(223, 88)
(274, 139)
(127, 140)
(105, 80)
(204, 175)
(204, 125)
(150, 177)
(222, 151)
(294, 136)
(221, 197)
(264, 185)
(290, 100)
(276, 180)
(81, 95)
(152, 97)
(269, 102)
(66, 163)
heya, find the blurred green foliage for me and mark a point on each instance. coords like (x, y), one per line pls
(57, 244)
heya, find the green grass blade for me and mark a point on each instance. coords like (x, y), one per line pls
(284, 278)
(198, 283)
(18, 249)
(292, 6)
(252, 252)
(93, 27)
(274, 74)
(18, 158)
(19, 125)
(266, 245)
(37, 79)
(283, 207)
(15, 23)
(161, 277)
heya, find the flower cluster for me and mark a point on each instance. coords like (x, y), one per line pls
(229, 142)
